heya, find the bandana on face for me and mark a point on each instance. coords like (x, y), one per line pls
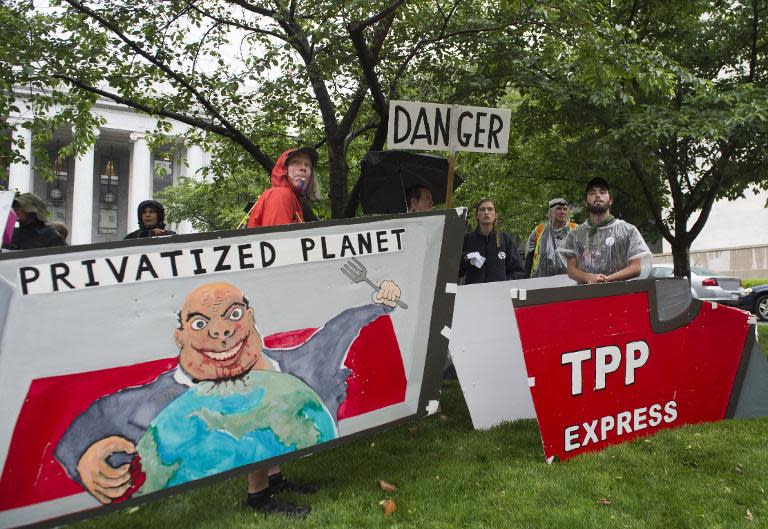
(593, 227)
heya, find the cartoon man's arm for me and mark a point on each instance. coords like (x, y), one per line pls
(103, 481)
(318, 362)
(98, 445)
(91, 439)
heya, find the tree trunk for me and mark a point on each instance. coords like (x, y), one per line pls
(338, 171)
(680, 256)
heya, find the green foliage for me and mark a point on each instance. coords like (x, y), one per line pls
(669, 102)
(256, 73)
(746, 283)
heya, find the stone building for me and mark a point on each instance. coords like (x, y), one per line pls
(735, 239)
(96, 195)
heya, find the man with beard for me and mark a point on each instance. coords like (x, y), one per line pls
(604, 248)
(541, 258)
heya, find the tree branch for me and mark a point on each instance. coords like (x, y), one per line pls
(368, 62)
(239, 25)
(381, 15)
(254, 9)
(180, 79)
(654, 206)
(197, 123)
(714, 189)
(753, 50)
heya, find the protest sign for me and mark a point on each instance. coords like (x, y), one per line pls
(182, 359)
(438, 127)
(607, 363)
(486, 350)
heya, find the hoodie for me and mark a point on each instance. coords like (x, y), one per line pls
(144, 231)
(278, 204)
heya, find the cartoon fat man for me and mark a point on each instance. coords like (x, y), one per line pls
(217, 340)
(217, 335)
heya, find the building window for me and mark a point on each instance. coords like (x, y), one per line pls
(164, 170)
(56, 191)
(109, 185)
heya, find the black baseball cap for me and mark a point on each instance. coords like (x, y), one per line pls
(597, 181)
(309, 151)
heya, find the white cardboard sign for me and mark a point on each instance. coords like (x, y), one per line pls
(442, 127)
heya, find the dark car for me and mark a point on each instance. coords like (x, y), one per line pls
(755, 300)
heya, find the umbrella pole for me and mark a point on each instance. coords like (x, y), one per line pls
(449, 189)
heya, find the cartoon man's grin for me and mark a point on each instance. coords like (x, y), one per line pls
(223, 356)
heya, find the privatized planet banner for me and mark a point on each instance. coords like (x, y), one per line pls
(608, 363)
(134, 369)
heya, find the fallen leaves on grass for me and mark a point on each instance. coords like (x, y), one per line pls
(386, 486)
(413, 430)
(604, 501)
(389, 506)
(444, 418)
(749, 516)
(739, 469)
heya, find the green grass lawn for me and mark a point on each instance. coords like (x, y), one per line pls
(448, 475)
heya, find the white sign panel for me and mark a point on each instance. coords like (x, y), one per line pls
(438, 127)
(486, 350)
(280, 340)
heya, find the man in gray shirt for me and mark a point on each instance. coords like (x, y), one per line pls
(604, 248)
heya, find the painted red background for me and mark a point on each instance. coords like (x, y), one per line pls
(694, 365)
(31, 474)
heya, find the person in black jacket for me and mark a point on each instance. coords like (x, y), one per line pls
(489, 254)
(151, 216)
(32, 232)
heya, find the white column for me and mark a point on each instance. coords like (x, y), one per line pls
(195, 162)
(140, 182)
(20, 174)
(81, 230)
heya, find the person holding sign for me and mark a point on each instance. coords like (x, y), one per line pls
(32, 232)
(604, 248)
(151, 216)
(293, 178)
(489, 254)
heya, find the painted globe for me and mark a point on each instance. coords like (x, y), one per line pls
(217, 426)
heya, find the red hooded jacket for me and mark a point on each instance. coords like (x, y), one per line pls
(278, 204)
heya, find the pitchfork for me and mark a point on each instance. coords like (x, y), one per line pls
(355, 270)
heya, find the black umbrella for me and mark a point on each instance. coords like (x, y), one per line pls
(386, 175)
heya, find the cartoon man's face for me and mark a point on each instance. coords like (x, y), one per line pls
(217, 337)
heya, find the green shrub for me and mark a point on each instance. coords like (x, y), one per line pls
(753, 282)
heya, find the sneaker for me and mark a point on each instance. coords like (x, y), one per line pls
(270, 504)
(278, 483)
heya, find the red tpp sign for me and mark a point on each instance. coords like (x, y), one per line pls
(604, 370)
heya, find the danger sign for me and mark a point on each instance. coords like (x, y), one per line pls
(430, 126)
